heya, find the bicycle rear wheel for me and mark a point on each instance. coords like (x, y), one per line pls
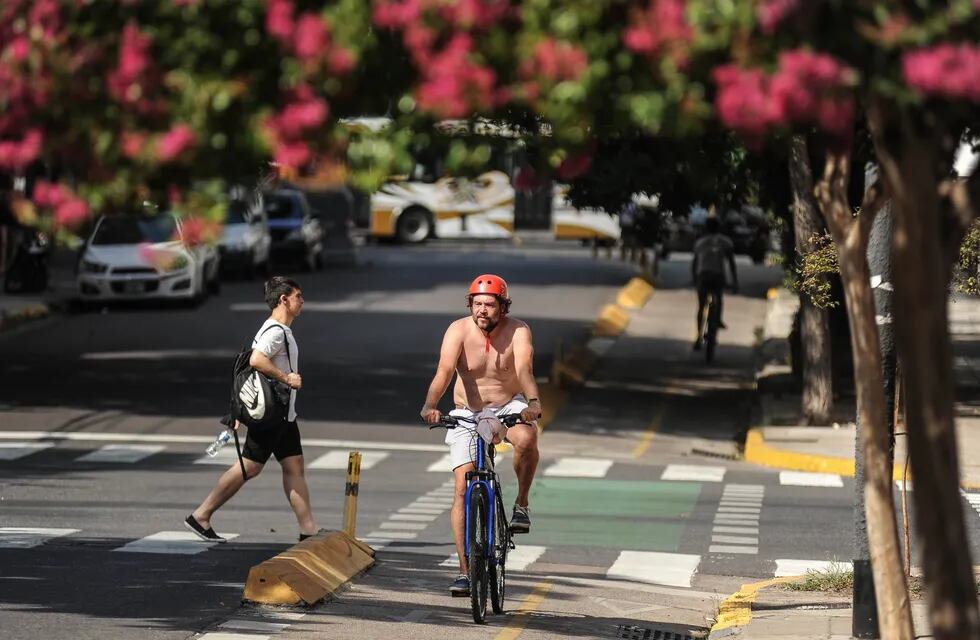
(498, 558)
(477, 560)
(711, 331)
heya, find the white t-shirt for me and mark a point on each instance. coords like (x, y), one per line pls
(273, 344)
(712, 252)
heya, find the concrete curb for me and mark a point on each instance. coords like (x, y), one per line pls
(13, 319)
(758, 452)
(735, 611)
(308, 572)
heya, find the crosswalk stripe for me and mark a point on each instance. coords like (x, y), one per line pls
(393, 535)
(433, 511)
(792, 567)
(17, 450)
(376, 543)
(121, 453)
(405, 526)
(672, 569)
(579, 468)
(244, 624)
(29, 537)
(752, 530)
(442, 465)
(223, 635)
(735, 540)
(171, 542)
(739, 509)
(413, 517)
(694, 473)
(225, 456)
(736, 516)
(337, 460)
(808, 479)
(719, 548)
(523, 556)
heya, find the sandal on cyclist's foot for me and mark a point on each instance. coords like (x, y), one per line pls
(460, 587)
(207, 535)
(520, 521)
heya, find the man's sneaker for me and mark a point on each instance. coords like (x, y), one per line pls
(520, 521)
(204, 534)
(460, 587)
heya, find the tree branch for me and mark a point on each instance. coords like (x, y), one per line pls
(874, 199)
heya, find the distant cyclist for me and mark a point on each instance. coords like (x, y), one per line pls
(491, 354)
(711, 252)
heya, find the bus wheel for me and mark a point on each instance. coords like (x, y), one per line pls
(414, 226)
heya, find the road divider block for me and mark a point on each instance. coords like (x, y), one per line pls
(309, 571)
(612, 321)
(635, 294)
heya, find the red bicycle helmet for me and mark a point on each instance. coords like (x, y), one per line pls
(489, 284)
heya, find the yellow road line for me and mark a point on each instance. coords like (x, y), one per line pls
(736, 610)
(530, 604)
(651, 432)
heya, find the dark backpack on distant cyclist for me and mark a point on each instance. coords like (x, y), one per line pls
(257, 401)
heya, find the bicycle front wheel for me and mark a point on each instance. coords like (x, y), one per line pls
(477, 559)
(498, 560)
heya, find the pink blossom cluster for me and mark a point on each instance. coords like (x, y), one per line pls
(460, 14)
(453, 84)
(196, 231)
(555, 61)
(307, 36)
(945, 71)
(126, 82)
(69, 210)
(772, 13)
(574, 166)
(17, 153)
(175, 142)
(662, 29)
(807, 88)
(303, 113)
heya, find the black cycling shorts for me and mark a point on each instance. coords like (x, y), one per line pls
(283, 443)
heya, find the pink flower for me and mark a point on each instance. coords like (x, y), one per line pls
(944, 71)
(175, 142)
(46, 15)
(17, 154)
(279, 19)
(49, 194)
(311, 36)
(132, 143)
(574, 166)
(556, 61)
(19, 48)
(340, 61)
(771, 13)
(71, 213)
(134, 61)
(305, 111)
(195, 231)
(662, 28)
(292, 154)
(454, 86)
(466, 14)
(396, 14)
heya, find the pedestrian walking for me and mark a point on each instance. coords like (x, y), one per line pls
(275, 354)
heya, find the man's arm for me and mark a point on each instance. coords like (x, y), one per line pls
(448, 357)
(524, 364)
(263, 364)
(694, 262)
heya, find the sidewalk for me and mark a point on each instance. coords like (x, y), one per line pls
(19, 309)
(778, 442)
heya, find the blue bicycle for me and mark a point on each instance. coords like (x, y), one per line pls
(488, 538)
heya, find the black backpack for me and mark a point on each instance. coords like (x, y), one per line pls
(257, 401)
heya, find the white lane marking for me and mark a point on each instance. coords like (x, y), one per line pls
(28, 537)
(171, 542)
(735, 540)
(452, 561)
(421, 510)
(694, 473)
(579, 468)
(720, 548)
(405, 526)
(673, 569)
(292, 616)
(806, 479)
(169, 354)
(121, 453)
(339, 460)
(524, 555)
(739, 509)
(16, 450)
(792, 567)
(735, 486)
(413, 517)
(393, 535)
(748, 530)
(225, 456)
(222, 635)
(441, 493)
(735, 502)
(442, 465)
(244, 624)
(165, 438)
(376, 543)
(743, 517)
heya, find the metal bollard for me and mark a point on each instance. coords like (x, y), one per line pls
(350, 491)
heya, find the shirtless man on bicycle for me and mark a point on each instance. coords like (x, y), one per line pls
(491, 353)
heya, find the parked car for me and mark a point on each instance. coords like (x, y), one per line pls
(245, 242)
(297, 235)
(129, 257)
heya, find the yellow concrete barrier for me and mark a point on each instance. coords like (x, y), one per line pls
(612, 321)
(350, 493)
(308, 572)
(635, 294)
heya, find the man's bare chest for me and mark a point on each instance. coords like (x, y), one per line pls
(479, 357)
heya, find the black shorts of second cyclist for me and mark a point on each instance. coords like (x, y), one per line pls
(710, 283)
(283, 442)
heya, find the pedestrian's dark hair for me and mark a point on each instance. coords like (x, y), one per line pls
(712, 225)
(278, 286)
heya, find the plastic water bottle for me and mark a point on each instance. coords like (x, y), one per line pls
(219, 442)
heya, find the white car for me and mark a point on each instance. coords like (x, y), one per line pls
(131, 257)
(245, 239)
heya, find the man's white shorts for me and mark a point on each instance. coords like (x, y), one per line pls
(462, 441)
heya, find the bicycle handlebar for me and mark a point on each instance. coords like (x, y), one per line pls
(451, 422)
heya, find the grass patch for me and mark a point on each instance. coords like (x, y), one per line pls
(837, 578)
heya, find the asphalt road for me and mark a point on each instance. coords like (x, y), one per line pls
(637, 521)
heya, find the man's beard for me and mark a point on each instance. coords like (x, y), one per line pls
(491, 324)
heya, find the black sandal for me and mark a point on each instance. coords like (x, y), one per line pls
(204, 534)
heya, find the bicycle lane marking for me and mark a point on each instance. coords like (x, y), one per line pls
(528, 606)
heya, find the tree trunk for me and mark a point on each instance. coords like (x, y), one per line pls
(851, 237)
(921, 271)
(815, 344)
